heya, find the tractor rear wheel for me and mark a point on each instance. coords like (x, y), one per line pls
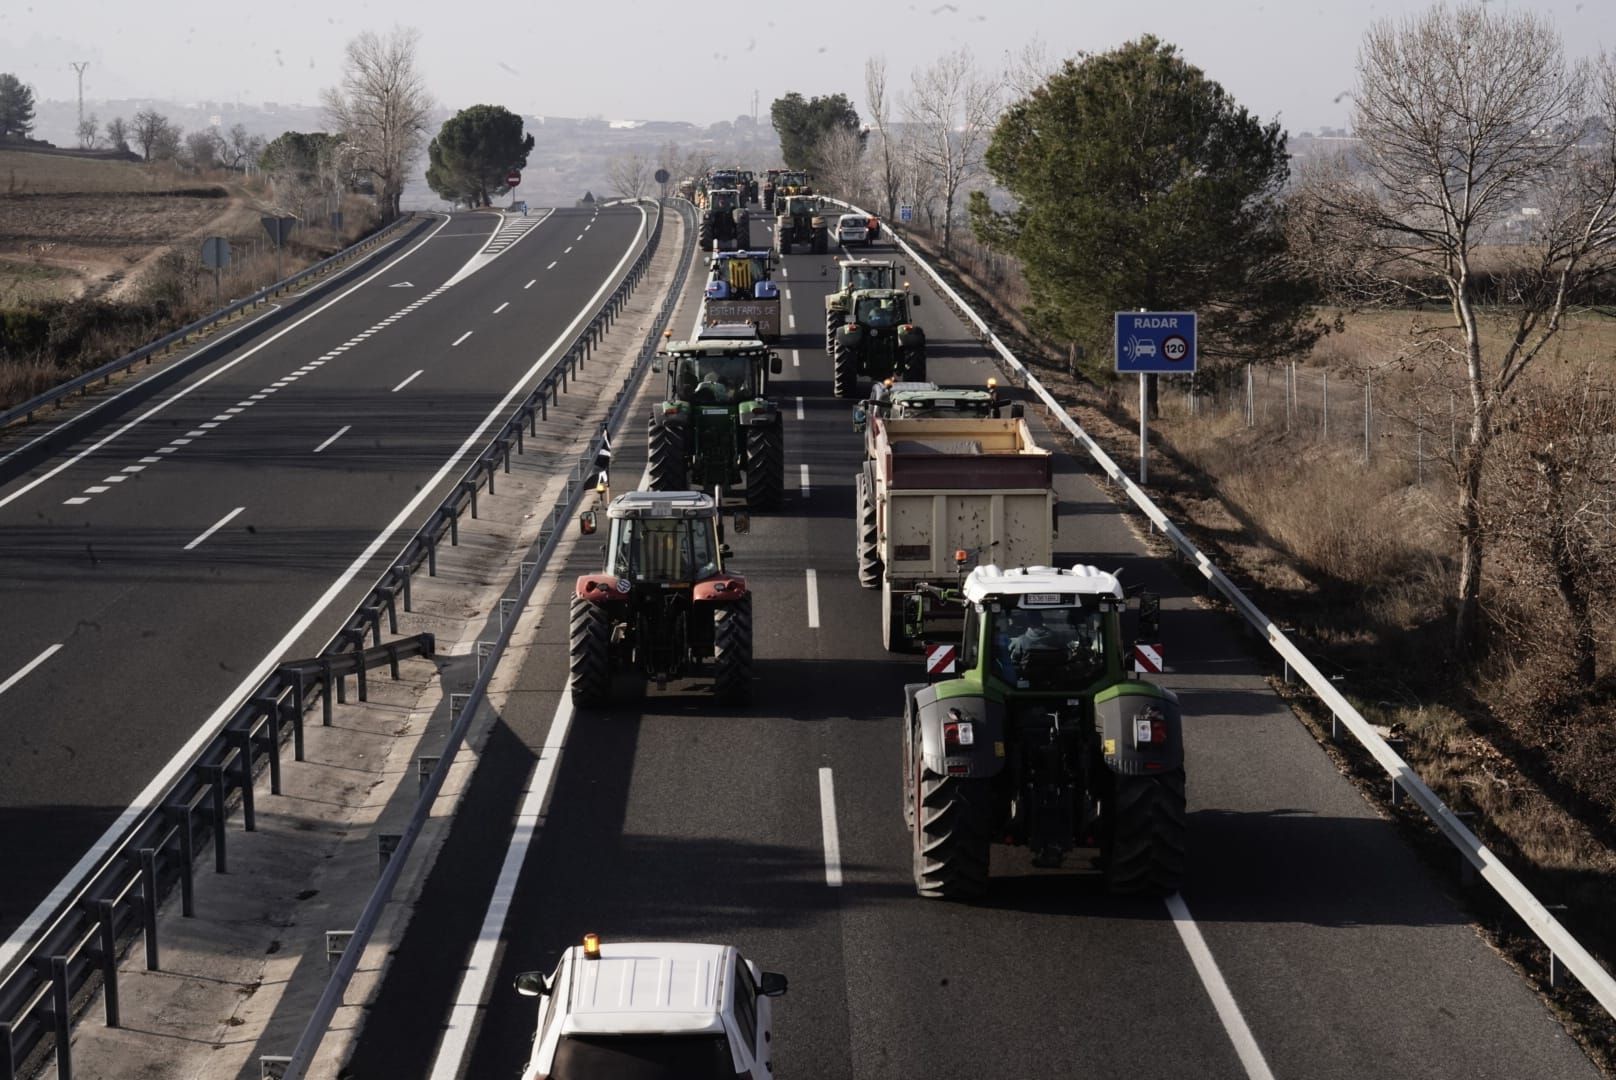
(844, 371)
(869, 549)
(1143, 842)
(821, 242)
(952, 834)
(785, 243)
(732, 652)
(590, 660)
(765, 466)
(669, 471)
(832, 319)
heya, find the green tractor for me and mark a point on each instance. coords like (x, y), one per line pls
(877, 339)
(801, 221)
(1044, 740)
(717, 424)
(853, 275)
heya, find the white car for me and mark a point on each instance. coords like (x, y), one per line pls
(652, 1011)
(852, 229)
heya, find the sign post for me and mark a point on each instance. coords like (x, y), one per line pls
(512, 178)
(1153, 343)
(215, 257)
(280, 231)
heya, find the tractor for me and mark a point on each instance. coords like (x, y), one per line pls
(856, 274)
(877, 340)
(1043, 740)
(741, 290)
(771, 180)
(664, 607)
(725, 225)
(800, 221)
(717, 424)
(747, 184)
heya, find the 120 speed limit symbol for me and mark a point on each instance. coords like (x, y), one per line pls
(1175, 348)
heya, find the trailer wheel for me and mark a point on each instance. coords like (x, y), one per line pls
(952, 834)
(590, 658)
(844, 371)
(1143, 839)
(666, 439)
(765, 466)
(732, 652)
(869, 549)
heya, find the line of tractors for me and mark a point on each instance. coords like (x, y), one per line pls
(1030, 730)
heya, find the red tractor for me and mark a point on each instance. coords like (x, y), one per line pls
(664, 607)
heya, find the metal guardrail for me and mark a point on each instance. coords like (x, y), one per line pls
(106, 371)
(1564, 949)
(529, 572)
(118, 899)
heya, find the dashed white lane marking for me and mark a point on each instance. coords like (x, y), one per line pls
(474, 983)
(788, 294)
(167, 449)
(796, 358)
(181, 442)
(550, 267)
(116, 478)
(22, 672)
(215, 527)
(799, 408)
(502, 307)
(827, 824)
(462, 337)
(136, 468)
(813, 599)
(97, 489)
(806, 489)
(1222, 1000)
(407, 381)
(343, 430)
(791, 321)
(76, 500)
(150, 460)
(566, 251)
(784, 272)
(529, 285)
(577, 238)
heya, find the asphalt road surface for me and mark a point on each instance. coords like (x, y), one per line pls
(152, 571)
(1309, 941)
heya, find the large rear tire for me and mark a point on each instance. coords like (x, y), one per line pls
(704, 233)
(590, 659)
(821, 242)
(844, 371)
(785, 244)
(765, 466)
(732, 653)
(669, 470)
(869, 547)
(1143, 845)
(952, 835)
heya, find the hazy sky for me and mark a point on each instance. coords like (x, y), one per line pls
(696, 60)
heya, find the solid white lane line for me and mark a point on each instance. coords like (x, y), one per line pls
(1212, 979)
(806, 489)
(462, 337)
(215, 527)
(550, 267)
(183, 757)
(529, 285)
(407, 381)
(29, 666)
(502, 307)
(480, 967)
(799, 408)
(813, 599)
(796, 358)
(827, 824)
(343, 430)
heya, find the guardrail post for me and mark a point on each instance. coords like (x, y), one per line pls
(327, 678)
(386, 844)
(181, 817)
(148, 904)
(8, 1051)
(62, 1017)
(471, 486)
(107, 953)
(216, 779)
(273, 745)
(243, 745)
(299, 703)
(432, 556)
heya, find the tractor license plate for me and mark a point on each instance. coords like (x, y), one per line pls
(714, 412)
(1043, 598)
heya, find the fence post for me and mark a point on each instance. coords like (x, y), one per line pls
(1325, 408)
(1367, 400)
(1251, 406)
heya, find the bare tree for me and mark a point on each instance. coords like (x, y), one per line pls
(382, 108)
(118, 133)
(918, 178)
(952, 108)
(630, 175)
(238, 149)
(1464, 117)
(88, 132)
(1028, 69)
(150, 130)
(840, 166)
(203, 148)
(887, 156)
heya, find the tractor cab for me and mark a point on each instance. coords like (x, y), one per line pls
(876, 339)
(725, 371)
(859, 274)
(742, 275)
(659, 537)
(723, 200)
(926, 400)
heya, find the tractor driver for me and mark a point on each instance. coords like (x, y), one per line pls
(711, 390)
(1027, 635)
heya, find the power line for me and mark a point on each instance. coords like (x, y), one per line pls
(79, 66)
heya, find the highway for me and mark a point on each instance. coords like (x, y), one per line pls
(1309, 941)
(152, 571)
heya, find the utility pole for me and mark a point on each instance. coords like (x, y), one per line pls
(754, 107)
(79, 66)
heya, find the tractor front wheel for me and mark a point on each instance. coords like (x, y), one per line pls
(590, 660)
(1143, 841)
(869, 548)
(765, 466)
(669, 471)
(732, 652)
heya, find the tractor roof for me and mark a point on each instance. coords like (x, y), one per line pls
(662, 504)
(722, 256)
(867, 262)
(880, 294)
(931, 395)
(986, 581)
(717, 346)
